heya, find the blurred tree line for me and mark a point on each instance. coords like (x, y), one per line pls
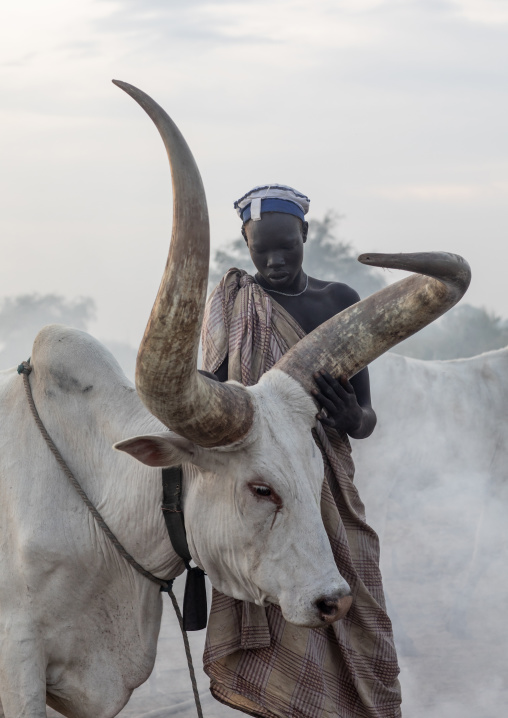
(463, 331)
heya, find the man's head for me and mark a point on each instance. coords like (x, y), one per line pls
(275, 230)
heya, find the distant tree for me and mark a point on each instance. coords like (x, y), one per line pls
(463, 332)
(326, 257)
(22, 317)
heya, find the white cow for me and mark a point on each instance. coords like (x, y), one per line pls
(76, 620)
(78, 625)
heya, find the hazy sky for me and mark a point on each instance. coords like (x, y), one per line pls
(394, 114)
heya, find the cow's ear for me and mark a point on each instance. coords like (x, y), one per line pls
(159, 449)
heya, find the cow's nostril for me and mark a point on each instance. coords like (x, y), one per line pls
(327, 606)
(333, 608)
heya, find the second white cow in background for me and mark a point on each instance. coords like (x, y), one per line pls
(434, 479)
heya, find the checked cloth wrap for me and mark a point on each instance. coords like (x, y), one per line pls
(256, 661)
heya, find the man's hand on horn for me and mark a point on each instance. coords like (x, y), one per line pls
(340, 409)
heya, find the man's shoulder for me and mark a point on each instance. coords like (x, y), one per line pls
(338, 291)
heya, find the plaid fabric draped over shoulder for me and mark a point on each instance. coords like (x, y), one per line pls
(256, 661)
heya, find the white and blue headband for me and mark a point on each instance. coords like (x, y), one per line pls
(271, 198)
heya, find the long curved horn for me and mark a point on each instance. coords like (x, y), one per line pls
(200, 409)
(350, 340)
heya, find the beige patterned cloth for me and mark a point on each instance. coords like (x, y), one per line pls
(256, 661)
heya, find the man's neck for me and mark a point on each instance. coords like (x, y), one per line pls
(297, 286)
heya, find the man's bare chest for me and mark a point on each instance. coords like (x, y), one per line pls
(312, 308)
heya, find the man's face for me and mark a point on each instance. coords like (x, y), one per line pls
(276, 246)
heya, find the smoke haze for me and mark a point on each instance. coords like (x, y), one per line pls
(433, 478)
(393, 111)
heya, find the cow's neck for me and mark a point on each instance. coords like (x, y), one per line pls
(127, 493)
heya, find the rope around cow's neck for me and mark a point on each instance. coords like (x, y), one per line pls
(167, 586)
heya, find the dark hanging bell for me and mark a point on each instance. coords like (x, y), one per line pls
(194, 600)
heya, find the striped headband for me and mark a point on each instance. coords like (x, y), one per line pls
(271, 198)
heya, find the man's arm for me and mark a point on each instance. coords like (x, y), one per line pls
(346, 403)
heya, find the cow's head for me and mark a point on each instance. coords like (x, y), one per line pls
(252, 508)
(253, 495)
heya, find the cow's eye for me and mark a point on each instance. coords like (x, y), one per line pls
(262, 490)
